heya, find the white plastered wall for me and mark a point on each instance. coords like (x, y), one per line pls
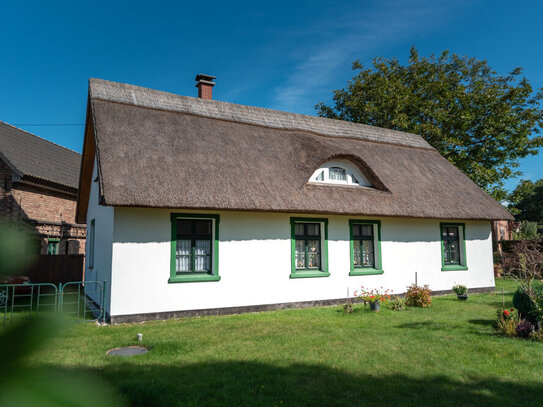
(255, 261)
(103, 242)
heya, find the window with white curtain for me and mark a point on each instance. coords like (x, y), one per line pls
(193, 249)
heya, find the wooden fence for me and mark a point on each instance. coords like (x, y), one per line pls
(56, 269)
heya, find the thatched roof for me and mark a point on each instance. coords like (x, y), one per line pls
(161, 150)
(32, 157)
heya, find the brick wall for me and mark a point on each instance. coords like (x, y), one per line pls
(43, 204)
(50, 213)
(5, 188)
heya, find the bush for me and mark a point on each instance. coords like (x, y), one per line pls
(526, 231)
(506, 322)
(397, 303)
(524, 329)
(348, 308)
(526, 307)
(524, 259)
(417, 296)
(460, 289)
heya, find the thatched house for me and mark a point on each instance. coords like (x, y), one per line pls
(200, 206)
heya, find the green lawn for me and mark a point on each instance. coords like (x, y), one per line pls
(444, 355)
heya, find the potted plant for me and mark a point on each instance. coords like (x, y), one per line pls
(461, 292)
(374, 297)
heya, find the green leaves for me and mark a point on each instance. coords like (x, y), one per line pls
(527, 201)
(480, 121)
(21, 385)
(12, 243)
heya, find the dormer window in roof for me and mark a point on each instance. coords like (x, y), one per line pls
(339, 172)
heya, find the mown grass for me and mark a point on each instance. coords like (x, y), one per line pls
(444, 355)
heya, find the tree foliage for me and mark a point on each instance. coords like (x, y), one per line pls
(527, 201)
(479, 120)
(527, 231)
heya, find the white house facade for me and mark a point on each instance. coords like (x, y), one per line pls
(168, 250)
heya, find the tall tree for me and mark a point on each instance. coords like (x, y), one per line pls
(479, 120)
(527, 201)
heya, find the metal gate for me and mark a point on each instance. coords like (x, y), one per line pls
(79, 301)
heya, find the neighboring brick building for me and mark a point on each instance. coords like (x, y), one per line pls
(503, 229)
(38, 186)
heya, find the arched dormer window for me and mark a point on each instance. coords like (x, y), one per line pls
(339, 172)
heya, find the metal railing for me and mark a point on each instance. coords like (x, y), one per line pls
(80, 301)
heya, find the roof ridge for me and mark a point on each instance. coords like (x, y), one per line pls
(40, 138)
(101, 89)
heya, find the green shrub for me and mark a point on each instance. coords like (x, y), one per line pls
(527, 309)
(527, 231)
(460, 289)
(348, 308)
(397, 303)
(417, 296)
(506, 321)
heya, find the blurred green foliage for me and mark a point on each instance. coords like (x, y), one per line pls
(24, 386)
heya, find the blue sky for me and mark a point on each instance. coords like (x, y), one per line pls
(281, 55)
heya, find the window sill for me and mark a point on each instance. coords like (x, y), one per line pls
(453, 268)
(193, 278)
(309, 274)
(365, 272)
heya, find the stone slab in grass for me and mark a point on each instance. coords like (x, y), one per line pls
(127, 351)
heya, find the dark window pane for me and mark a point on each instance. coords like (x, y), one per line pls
(184, 227)
(453, 232)
(356, 230)
(203, 227)
(299, 229)
(313, 229)
(366, 230)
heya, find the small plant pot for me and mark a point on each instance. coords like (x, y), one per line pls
(375, 306)
(462, 297)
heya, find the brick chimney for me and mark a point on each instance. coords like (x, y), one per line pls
(205, 85)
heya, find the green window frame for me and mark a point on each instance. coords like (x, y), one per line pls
(53, 246)
(361, 240)
(194, 275)
(453, 246)
(305, 270)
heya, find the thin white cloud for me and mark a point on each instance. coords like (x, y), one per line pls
(354, 35)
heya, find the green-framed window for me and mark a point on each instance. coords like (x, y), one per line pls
(365, 247)
(194, 248)
(453, 246)
(309, 247)
(53, 246)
